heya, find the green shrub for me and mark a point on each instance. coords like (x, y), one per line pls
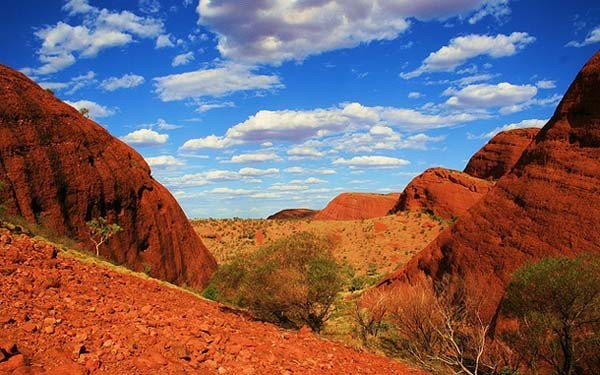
(292, 282)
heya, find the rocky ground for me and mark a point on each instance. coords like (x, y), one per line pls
(59, 315)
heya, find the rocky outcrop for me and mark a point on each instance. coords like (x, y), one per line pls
(442, 192)
(357, 206)
(293, 214)
(547, 205)
(60, 169)
(500, 154)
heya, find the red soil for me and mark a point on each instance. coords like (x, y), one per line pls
(549, 203)
(500, 154)
(443, 192)
(356, 206)
(66, 317)
(60, 169)
(293, 213)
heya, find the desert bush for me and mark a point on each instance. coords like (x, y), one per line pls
(369, 314)
(438, 327)
(556, 302)
(292, 282)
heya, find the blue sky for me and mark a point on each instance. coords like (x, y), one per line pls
(243, 108)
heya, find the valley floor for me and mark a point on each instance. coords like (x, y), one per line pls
(68, 317)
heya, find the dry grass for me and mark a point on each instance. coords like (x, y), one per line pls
(379, 245)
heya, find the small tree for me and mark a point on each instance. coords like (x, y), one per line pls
(557, 304)
(85, 112)
(101, 231)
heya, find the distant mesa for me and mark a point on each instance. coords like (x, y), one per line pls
(443, 192)
(293, 214)
(357, 206)
(500, 154)
(548, 204)
(60, 169)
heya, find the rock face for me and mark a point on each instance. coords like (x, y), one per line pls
(357, 206)
(500, 154)
(443, 192)
(548, 204)
(293, 214)
(60, 169)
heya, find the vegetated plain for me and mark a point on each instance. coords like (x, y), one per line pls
(377, 245)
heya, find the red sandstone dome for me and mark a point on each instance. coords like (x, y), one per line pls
(500, 154)
(293, 214)
(442, 192)
(60, 169)
(548, 204)
(356, 206)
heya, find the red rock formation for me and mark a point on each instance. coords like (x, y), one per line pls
(60, 169)
(443, 192)
(59, 316)
(548, 204)
(500, 154)
(356, 206)
(293, 214)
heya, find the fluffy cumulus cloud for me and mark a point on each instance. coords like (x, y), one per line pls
(100, 29)
(533, 123)
(463, 48)
(127, 81)
(164, 162)
(371, 162)
(222, 80)
(279, 30)
(255, 157)
(164, 41)
(297, 126)
(479, 96)
(145, 138)
(545, 84)
(183, 59)
(219, 175)
(593, 37)
(73, 85)
(95, 110)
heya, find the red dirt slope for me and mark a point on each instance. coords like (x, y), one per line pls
(500, 154)
(67, 317)
(60, 169)
(356, 206)
(443, 192)
(293, 214)
(548, 204)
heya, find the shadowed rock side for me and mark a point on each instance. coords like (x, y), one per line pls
(293, 214)
(60, 169)
(443, 192)
(500, 154)
(548, 204)
(356, 206)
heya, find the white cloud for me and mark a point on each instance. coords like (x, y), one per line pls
(467, 47)
(214, 176)
(205, 107)
(183, 59)
(301, 152)
(301, 170)
(145, 138)
(95, 110)
(255, 172)
(309, 181)
(533, 123)
(481, 96)
(229, 191)
(546, 84)
(279, 30)
(220, 81)
(372, 162)
(297, 126)
(494, 8)
(257, 157)
(414, 95)
(164, 162)
(163, 125)
(74, 84)
(101, 29)
(163, 41)
(127, 81)
(593, 37)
